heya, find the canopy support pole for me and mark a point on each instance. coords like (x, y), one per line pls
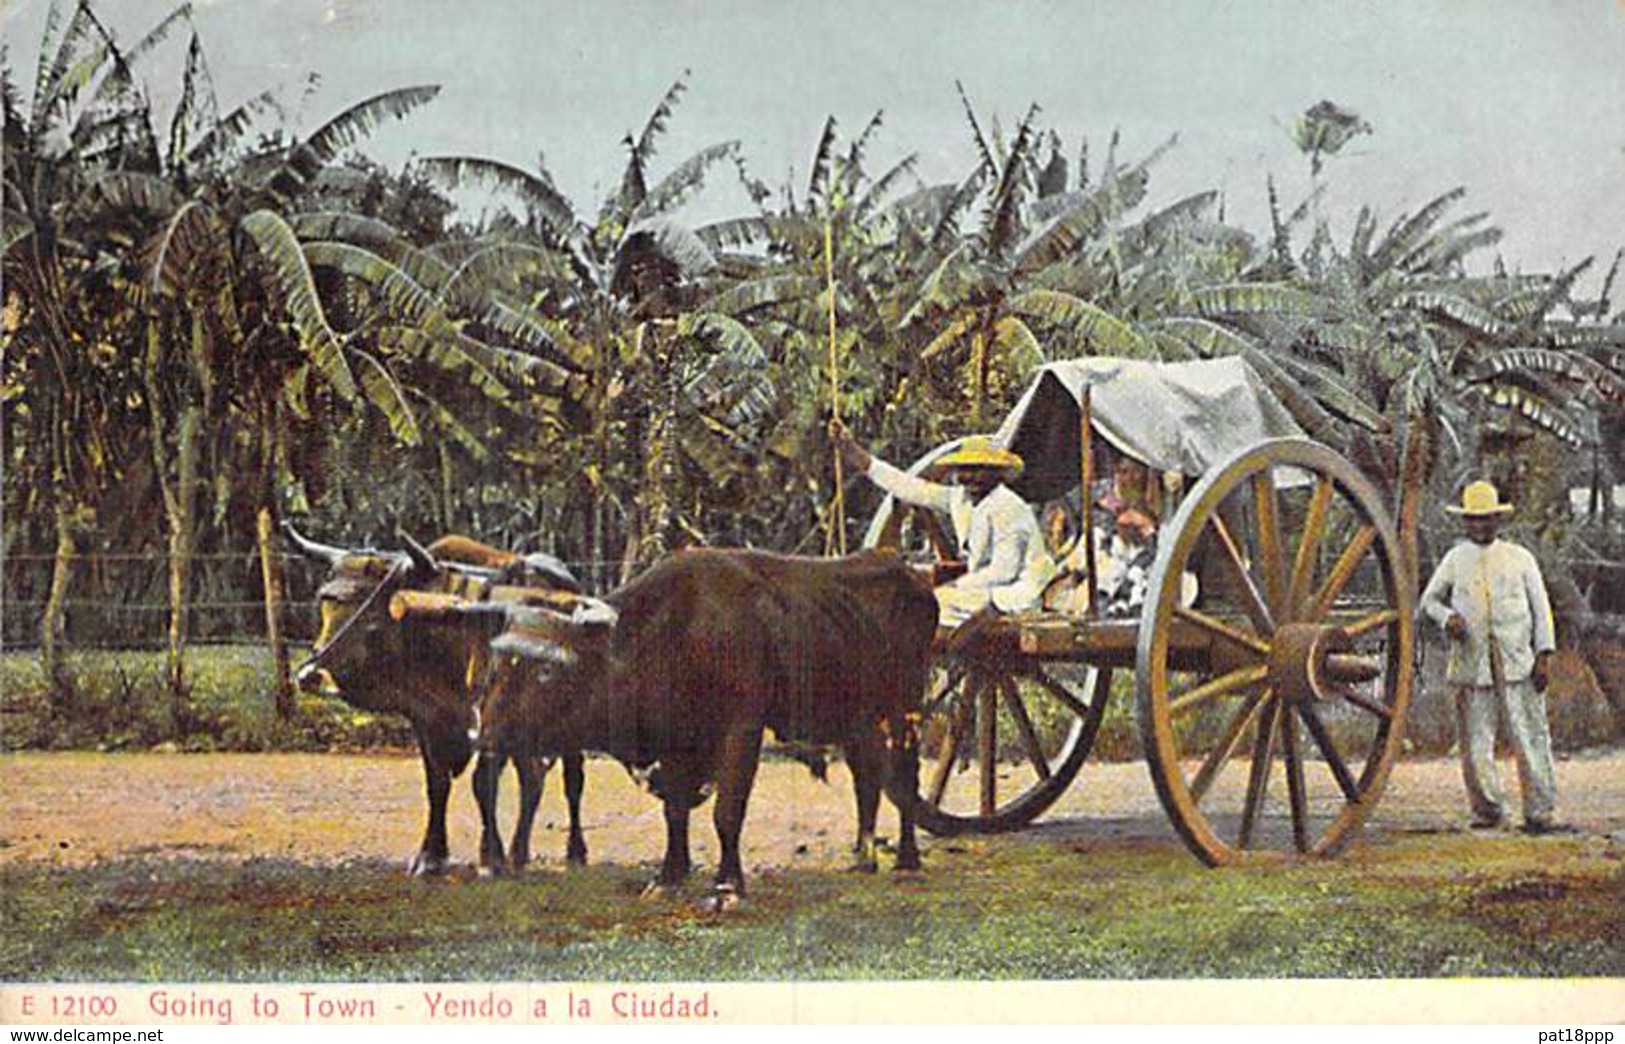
(1087, 464)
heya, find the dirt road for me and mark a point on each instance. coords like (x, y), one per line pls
(73, 809)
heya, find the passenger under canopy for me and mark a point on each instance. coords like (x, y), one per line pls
(1182, 417)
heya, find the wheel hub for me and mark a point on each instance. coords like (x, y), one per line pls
(1299, 660)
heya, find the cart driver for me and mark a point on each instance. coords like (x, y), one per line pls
(1007, 564)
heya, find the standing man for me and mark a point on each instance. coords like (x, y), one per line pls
(1006, 562)
(1489, 598)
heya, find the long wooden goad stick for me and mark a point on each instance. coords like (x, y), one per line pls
(834, 386)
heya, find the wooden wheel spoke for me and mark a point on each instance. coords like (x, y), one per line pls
(1371, 622)
(1251, 600)
(1024, 725)
(1270, 552)
(1329, 751)
(1342, 572)
(1370, 705)
(1227, 746)
(950, 680)
(1314, 527)
(987, 738)
(1258, 777)
(957, 727)
(1220, 629)
(1083, 710)
(1223, 685)
(1297, 797)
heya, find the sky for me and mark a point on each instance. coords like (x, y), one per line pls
(1520, 101)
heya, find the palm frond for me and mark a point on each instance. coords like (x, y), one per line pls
(193, 237)
(1333, 394)
(634, 181)
(1019, 342)
(733, 381)
(680, 185)
(1456, 309)
(536, 191)
(228, 131)
(52, 84)
(308, 157)
(1299, 402)
(947, 226)
(740, 232)
(130, 190)
(1103, 332)
(1571, 366)
(1256, 299)
(1203, 337)
(505, 264)
(767, 292)
(534, 332)
(950, 335)
(292, 276)
(945, 286)
(822, 165)
(1003, 223)
(1537, 410)
(852, 171)
(989, 164)
(380, 388)
(348, 227)
(189, 110)
(1408, 231)
(883, 185)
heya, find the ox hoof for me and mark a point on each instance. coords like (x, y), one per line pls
(659, 890)
(912, 868)
(424, 865)
(864, 866)
(576, 855)
(725, 898)
(490, 870)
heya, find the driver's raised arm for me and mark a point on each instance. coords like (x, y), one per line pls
(900, 484)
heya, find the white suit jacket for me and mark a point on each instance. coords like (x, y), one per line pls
(999, 535)
(1498, 590)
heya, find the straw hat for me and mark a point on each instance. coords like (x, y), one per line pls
(978, 451)
(1479, 499)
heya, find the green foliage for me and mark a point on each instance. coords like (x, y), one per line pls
(119, 702)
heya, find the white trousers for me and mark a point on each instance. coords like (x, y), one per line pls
(1524, 711)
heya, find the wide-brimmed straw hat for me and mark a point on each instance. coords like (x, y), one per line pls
(978, 451)
(1478, 500)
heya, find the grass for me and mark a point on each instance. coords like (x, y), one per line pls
(119, 701)
(984, 909)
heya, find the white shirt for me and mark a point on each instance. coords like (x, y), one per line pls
(1004, 548)
(1498, 590)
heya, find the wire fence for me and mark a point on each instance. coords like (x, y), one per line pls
(119, 600)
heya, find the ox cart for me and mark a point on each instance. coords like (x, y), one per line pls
(1271, 648)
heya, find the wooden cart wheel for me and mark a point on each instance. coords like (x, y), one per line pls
(1272, 709)
(1002, 739)
(1003, 736)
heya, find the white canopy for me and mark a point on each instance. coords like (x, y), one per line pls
(1183, 417)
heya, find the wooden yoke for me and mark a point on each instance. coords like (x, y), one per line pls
(432, 605)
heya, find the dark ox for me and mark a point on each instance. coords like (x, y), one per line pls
(434, 677)
(691, 661)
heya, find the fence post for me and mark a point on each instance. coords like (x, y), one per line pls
(271, 572)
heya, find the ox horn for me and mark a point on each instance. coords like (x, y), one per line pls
(309, 548)
(422, 560)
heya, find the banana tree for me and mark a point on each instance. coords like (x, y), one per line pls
(615, 299)
(67, 391)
